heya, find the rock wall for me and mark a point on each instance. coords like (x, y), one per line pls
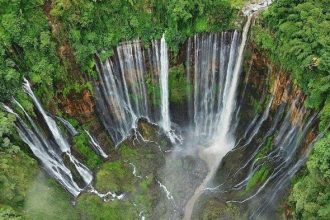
(252, 177)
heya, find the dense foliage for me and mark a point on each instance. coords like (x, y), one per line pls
(97, 27)
(311, 194)
(296, 33)
(17, 170)
(53, 44)
(26, 48)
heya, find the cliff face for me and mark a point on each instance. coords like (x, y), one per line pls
(79, 105)
(273, 132)
(265, 79)
(284, 91)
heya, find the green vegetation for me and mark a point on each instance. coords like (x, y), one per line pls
(46, 199)
(311, 193)
(92, 207)
(17, 168)
(258, 177)
(26, 48)
(115, 177)
(256, 105)
(8, 213)
(82, 145)
(26, 195)
(17, 171)
(96, 27)
(178, 84)
(53, 44)
(153, 89)
(215, 209)
(296, 35)
(266, 148)
(144, 158)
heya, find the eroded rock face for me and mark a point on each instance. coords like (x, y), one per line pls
(79, 105)
(273, 131)
(284, 91)
(264, 86)
(280, 88)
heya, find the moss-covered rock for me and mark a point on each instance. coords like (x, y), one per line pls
(115, 177)
(82, 146)
(91, 207)
(259, 177)
(215, 209)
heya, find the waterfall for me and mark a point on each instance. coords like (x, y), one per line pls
(212, 77)
(134, 84)
(69, 127)
(165, 121)
(229, 99)
(125, 91)
(287, 140)
(96, 146)
(284, 178)
(49, 145)
(61, 142)
(45, 151)
(51, 124)
(165, 115)
(112, 97)
(228, 74)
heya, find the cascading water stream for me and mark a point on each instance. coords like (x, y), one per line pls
(126, 82)
(165, 115)
(58, 137)
(50, 149)
(134, 84)
(51, 154)
(165, 122)
(284, 179)
(45, 151)
(223, 140)
(96, 146)
(69, 127)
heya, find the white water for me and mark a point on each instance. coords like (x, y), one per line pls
(50, 153)
(45, 152)
(134, 171)
(282, 180)
(168, 193)
(289, 137)
(96, 146)
(124, 95)
(222, 141)
(165, 115)
(213, 77)
(132, 85)
(106, 196)
(61, 142)
(229, 102)
(69, 127)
